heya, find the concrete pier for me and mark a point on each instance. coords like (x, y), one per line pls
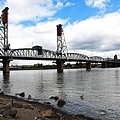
(6, 68)
(88, 65)
(59, 66)
(104, 65)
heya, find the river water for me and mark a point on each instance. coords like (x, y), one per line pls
(100, 87)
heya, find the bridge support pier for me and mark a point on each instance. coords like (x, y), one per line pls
(88, 65)
(115, 64)
(59, 66)
(104, 65)
(6, 68)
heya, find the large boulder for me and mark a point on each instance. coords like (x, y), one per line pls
(9, 113)
(47, 113)
(12, 113)
(61, 103)
(22, 94)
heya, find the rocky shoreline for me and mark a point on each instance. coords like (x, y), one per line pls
(14, 108)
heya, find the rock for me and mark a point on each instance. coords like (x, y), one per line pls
(49, 115)
(28, 107)
(5, 113)
(17, 105)
(61, 103)
(22, 94)
(5, 106)
(38, 118)
(2, 93)
(46, 113)
(12, 113)
(47, 103)
(59, 114)
(67, 117)
(102, 112)
(54, 97)
(89, 118)
(1, 118)
(9, 113)
(16, 94)
(1, 101)
(80, 116)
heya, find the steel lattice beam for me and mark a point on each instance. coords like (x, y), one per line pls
(47, 54)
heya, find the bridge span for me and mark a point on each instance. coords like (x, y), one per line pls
(60, 56)
(43, 54)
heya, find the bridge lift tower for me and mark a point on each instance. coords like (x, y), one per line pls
(61, 44)
(61, 48)
(4, 46)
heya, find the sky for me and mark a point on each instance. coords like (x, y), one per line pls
(91, 27)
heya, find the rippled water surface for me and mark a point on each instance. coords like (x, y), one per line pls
(100, 87)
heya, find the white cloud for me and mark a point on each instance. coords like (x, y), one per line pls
(41, 34)
(33, 10)
(101, 4)
(59, 5)
(69, 4)
(96, 34)
(21, 10)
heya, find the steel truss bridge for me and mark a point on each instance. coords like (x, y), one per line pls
(61, 55)
(33, 54)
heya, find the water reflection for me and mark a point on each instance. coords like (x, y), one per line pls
(6, 83)
(117, 82)
(61, 85)
(60, 78)
(116, 74)
(100, 87)
(40, 84)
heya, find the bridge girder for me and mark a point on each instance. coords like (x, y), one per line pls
(77, 56)
(47, 54)
(29, 52)
(96, 58)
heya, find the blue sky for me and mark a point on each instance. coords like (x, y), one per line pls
(91, 27)
(75, 10)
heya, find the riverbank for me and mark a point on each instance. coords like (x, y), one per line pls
(14, 108)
